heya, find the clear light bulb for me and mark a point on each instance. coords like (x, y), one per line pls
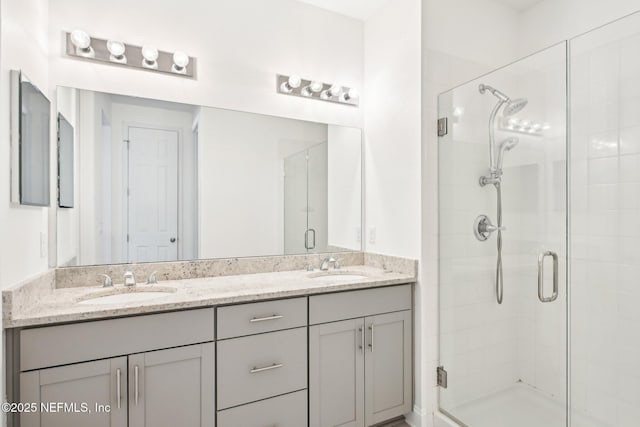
(352, 94)
(150, 56)
(116, 50)
(180, 62)
(293, 82)
(82, 42)
(335, 90)
(316, 86)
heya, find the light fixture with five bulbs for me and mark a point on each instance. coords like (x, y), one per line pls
(315, 89)
(148, 57)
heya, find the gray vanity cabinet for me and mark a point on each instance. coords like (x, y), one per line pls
(101, 382)
(387, 365)
(360, 369)
(173, 387)
(336, 374)
(163, 375)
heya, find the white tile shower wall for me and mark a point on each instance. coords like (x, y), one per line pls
(605, 199)
(489, 347)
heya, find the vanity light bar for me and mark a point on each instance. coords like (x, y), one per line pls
(315, 89)
(79, 44)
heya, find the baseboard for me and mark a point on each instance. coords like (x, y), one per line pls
(418, 418)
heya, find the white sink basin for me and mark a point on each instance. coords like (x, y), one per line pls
(126, 296)
(330, 278)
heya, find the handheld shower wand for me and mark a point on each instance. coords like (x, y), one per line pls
(511, 107)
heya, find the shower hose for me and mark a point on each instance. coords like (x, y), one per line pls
(499, 280)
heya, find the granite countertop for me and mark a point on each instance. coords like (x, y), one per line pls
(48, 305)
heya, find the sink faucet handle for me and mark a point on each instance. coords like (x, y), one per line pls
(129, 279)
(152, 279)
(309, 267)
(106, 282)
(338, 263)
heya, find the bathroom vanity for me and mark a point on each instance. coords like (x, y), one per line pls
(289, 348)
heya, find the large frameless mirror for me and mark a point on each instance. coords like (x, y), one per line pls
(162, 181)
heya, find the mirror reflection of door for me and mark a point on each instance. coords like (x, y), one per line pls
(305, 201)
(317, 197)
(152, 196)
(295, 204)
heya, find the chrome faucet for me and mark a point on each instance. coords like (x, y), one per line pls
(107, 282)
(329, 260)
(129, 279)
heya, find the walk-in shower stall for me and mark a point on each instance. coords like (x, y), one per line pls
(539, 210)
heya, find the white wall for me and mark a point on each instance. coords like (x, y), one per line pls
(392, 128)
(345, 187)
(241, 191)
(23, 46)
(240, 46)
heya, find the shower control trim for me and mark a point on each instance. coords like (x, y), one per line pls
(483, 227)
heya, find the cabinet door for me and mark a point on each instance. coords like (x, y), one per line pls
(173, 387)
(336, 374)
(78, 395)
(388, 383)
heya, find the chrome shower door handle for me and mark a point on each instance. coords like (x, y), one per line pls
(541, 258)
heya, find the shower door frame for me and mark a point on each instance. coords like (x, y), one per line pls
(566, 271)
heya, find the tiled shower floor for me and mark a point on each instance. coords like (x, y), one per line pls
(518, 406)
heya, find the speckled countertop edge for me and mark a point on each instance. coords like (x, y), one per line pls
(51, 306)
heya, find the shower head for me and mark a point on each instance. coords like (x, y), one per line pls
(514, 106)
(505, 146)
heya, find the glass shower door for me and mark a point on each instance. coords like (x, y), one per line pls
(503, 246)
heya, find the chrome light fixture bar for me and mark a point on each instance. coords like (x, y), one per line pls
(523, 126)
(314, 89)
(82, 46)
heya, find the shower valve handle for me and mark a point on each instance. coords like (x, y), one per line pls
(482, 228)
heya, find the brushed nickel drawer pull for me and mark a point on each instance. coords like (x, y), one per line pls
(262, 319)
(266, 368)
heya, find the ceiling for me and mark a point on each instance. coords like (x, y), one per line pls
(359, 9)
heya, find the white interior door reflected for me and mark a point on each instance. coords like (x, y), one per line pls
(152, 195)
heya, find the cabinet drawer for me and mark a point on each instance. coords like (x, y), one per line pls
(261, 366)
(353, 304)
(289, 410)
(79, 342)
(255, 318)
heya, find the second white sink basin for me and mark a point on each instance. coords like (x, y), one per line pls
(125, 296)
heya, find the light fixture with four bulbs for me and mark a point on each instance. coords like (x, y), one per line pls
(147, 57)
(315, 89)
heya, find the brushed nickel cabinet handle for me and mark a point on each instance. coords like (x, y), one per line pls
(266, 368)
(262, 319)
(361, 346)
(371, 338)
(119, 387)
(136, 383)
